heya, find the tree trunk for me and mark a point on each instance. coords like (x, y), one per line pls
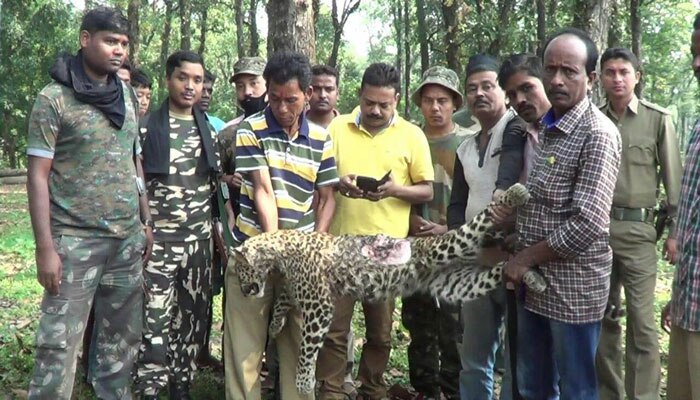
(339, 22)
(506, 7)
(397, 14)
(449, 15)
(292, 29)
(239, 17)
(316, 4)
(408, 63)
(541, 25)
(132, 13)
(636, 29)
(593, 17)
(333, 58)
(253, 29)
(165, 42)
(552, 13)
(203, 30)
(615, 31)
(185, 24)
(422, 36)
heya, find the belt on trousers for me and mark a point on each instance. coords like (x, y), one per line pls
(632, 214)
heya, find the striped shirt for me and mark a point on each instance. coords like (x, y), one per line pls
(571, 187)
(297, 167)
(685, 300)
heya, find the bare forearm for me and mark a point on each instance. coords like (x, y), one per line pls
(266, 207)
(39, 210)
(325, 212)
(415, 194)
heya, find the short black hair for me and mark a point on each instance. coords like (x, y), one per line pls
(105, 19)
(323, 69)
(620, 52)
(696, 22)
(139, 79)
(177, 58)
(381, 75)
(209, 77)
(521, 62)
(285, 66)
(591, 50)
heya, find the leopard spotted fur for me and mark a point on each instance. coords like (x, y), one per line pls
(318, 267)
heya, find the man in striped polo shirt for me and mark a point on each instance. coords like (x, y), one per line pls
(283, 158)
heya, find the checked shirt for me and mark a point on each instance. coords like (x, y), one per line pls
(571, 186)
(685, 301)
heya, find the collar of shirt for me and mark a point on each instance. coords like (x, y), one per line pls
(632, 106)
(358, 122)
(501, 124)
(567, 122)
(274, 126)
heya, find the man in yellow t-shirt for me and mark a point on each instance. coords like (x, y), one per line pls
(372, 141)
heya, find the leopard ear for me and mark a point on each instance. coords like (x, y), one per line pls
(239, 253)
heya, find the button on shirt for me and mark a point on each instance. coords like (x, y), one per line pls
(571, 187)
(685, 300)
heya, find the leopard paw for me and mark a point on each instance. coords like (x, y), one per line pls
(275, 327)
(535, 281)
(516, 196)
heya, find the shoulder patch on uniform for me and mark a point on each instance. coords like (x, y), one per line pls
(655, 107)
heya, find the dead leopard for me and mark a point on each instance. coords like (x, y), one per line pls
(319, 267)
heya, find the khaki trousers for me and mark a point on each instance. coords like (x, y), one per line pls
(634, 268)
(683, 365)
(245, 334)
(332, 360)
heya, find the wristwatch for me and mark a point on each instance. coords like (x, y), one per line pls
(149, 222)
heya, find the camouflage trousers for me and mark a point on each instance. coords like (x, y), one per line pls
(108, 272)
(178, 293)
(433, 357)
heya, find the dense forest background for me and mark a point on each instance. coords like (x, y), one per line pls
(349, 34)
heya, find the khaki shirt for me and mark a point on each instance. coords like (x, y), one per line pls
(650, 154)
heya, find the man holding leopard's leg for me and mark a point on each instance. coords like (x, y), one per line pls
(563, 229)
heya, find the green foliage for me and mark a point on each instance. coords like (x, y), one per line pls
(32, 33)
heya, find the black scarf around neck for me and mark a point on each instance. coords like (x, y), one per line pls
(156, 145)
(109, 98)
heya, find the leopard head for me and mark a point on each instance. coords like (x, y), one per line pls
(253, 262)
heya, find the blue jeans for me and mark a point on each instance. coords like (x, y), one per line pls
(481, 321)
(556, 360)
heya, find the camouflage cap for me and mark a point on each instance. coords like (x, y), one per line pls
(444, 77)
(248, 65)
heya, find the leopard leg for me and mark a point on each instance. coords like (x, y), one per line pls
(464, 284)
(463, 245)
(282, 305)
(317, 315)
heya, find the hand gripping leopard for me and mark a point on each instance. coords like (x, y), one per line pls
(318, 267)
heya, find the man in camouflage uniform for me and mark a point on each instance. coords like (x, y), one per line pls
(433, 359)
(650, 155)
(84, 205)
(180, 163)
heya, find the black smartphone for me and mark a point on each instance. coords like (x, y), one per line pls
(368, 184)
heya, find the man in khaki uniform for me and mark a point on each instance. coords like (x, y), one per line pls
(649, 155)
